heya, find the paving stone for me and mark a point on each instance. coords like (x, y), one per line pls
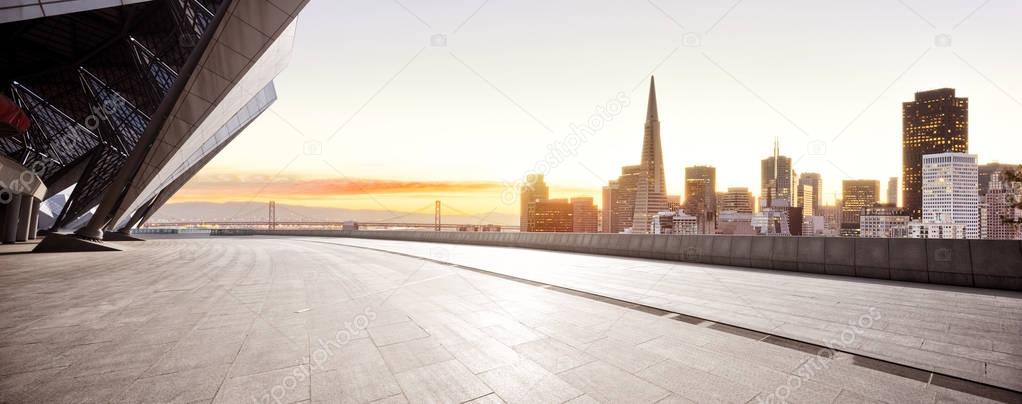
(413, 354)
(286, 385)
(527, 382)
(442, 382)
(606, 383)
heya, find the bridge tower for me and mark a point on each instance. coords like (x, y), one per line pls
(436, 216)
(271, 222)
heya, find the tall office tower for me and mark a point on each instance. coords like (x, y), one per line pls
(584, 215)
(936, 122)
(776, 180)
(856, 195)
(999, 209)
(610, 194)
(701, 186)
(806, 192)
(987, 170)
(892, 191)
(623, 207)
(738, 200)
(950, 190)
(814, 180)
(551, 215)
(651, 191)
(533, 190)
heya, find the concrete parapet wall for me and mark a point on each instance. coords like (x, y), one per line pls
(993, 264)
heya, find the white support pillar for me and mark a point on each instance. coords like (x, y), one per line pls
(33, 224)
(10, 227)
(24, 217)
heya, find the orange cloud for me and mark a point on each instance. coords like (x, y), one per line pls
(228, 187)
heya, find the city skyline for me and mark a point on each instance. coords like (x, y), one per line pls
(724, 96)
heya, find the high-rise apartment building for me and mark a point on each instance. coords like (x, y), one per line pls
(776, 180)
(584, 215)
(892, 191)
(987, 170)
(651, 190)
(533, 190)
(814, 180)
(738, 200)
(619, 209)
(883, 221)
(950, 191)
(935, 122)
(856, 195)
(999, 210)
(611, 192)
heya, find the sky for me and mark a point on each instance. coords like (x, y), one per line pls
(392, 104)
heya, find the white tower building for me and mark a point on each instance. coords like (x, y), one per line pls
(951, 191)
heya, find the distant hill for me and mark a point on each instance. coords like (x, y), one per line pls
(253, 211)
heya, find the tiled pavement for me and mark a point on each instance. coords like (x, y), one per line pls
(969, 333)
(257, 320)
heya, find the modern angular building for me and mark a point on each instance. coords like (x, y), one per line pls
(935, 122)
(126, 101)
(951, 192)
(651, 189)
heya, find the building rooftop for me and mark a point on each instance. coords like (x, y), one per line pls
(294, 319)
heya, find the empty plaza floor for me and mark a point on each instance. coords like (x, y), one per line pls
(288, 320)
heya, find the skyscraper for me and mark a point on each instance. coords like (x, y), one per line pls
(738, 200)
(584, 215)
(935, 122)
(551, 215)
(892, 191)
(950, 191)
(701, 186)
(651, 190)
(776, 180)
(999, 210)
(611, 192)
(814, 180)
(856, 195)
(622, 203)
(986, 172)
(533, 190)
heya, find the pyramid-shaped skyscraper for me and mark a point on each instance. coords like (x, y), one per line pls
(651, 192)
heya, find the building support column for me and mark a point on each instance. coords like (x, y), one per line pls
(24, 217)
(33, 221)
(10, 228)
